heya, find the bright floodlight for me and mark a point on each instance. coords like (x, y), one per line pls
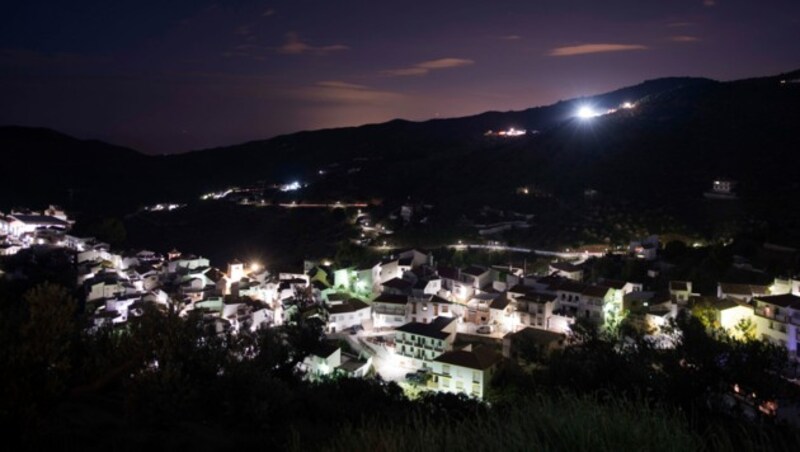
(586, 112)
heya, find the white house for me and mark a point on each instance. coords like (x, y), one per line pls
(742, 292)
(418, 344)
(777, 320)
(476, 276)
(349, 313)
(427, 308)
(322, 362)
(534, 308)
(415, 258)
(187, 262)
(389, 310)
(729, 313)
(468, 371)
(680, 291)
(646, 248)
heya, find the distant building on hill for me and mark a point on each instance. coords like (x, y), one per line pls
(721, 189)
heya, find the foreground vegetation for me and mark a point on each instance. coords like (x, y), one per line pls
(165, 382)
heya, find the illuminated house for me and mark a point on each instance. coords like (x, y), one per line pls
(476, 277)
(742, 292)
(727, 312)
(646, 248)
(367, 279)
(721, 189)
(17, 224)
(420, 343)
(426, 309)
(534, 341)
(344, 314)
(680, 291)
(503, 314)
(322, 362)
(582, 300)
(777, 320)
(389, 310)
(397, 286)
(468, 371)
(534, 309)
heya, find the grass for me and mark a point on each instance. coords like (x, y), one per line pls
(546, 423)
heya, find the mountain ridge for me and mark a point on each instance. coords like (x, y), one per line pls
(683, 133)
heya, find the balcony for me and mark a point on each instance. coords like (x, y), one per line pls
(770, 314)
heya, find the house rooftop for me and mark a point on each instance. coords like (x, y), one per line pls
(438, 299)
(537, 297)
(480, 358)
(351, 305)
(391, 299)
(679, 286)
(324, 349)
(523, 289)
(536, 335)
(41, 219)
(447, 272)
(743, 289)
(499, 303)
(474, 270)
(719, 304)
(784, 301)
(352, 365)
(433, 329)
(596, 291)
(398, 283)
(568, 285)
(615, 283)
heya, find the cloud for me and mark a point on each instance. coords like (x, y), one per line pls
(294, 45)
(511, 37)
(268, 13)
(585, 49)
(340, 84)
(684, 38)
(709, 2)
(425, 67)
(680, 24)
(243, 30)
(340, 92)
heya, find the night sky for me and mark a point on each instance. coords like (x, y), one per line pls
(171, 76)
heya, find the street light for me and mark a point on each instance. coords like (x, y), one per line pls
(587, 112)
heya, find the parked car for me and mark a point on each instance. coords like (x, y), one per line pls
(484, 329)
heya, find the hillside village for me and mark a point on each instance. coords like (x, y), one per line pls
(404, 317)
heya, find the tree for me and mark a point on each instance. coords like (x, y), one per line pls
(745, 330)
(38, 361)
(110, 229)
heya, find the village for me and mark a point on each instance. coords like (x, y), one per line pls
(403, 318)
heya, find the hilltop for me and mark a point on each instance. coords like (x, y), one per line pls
(682, 134)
